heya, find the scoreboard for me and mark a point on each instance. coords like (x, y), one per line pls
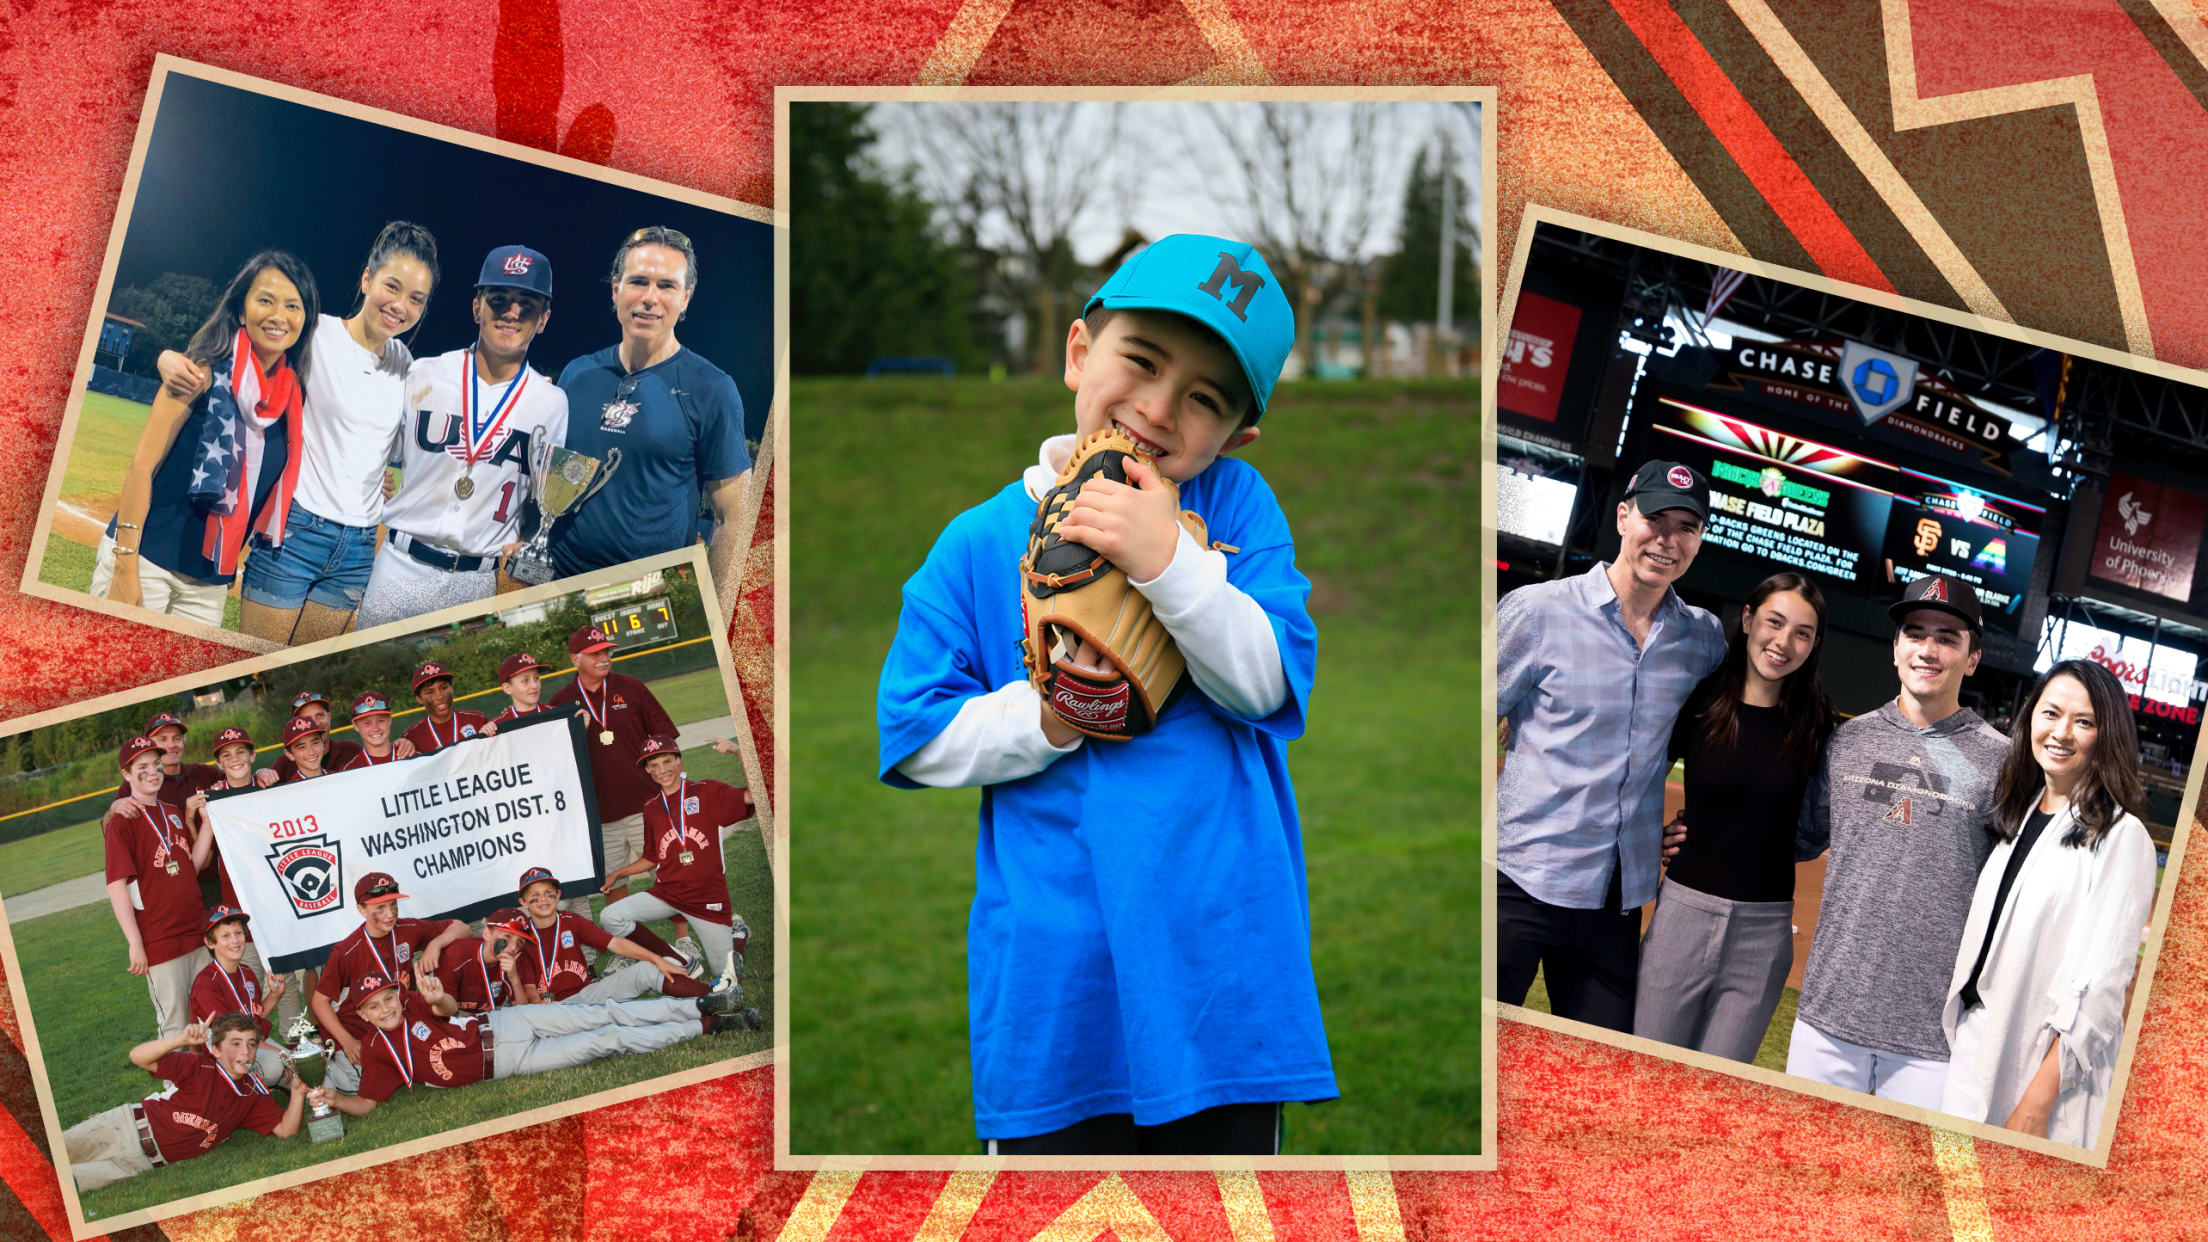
(638, 624)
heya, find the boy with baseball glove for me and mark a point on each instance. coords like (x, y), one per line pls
(1117, 646)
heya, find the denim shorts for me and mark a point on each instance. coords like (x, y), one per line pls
(322, 560)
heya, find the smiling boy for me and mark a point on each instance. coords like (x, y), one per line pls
(212, 1092)
(1590, 672)
(1901, 799)
(1139, 969)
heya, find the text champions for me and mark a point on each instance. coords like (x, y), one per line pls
(465, 815)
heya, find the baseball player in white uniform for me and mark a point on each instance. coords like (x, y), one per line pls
(473, 418)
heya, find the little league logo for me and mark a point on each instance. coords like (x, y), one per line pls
(311, 872)
(421, 1030)
(690, 805)
(405, 952)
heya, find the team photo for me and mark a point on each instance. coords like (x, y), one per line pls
(517, 853)
(430, 370)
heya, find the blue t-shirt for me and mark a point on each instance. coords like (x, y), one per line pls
(1140, 939)
(174, 530)
(680, 428)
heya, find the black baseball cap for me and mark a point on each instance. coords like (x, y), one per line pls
(1661, 485)
(1940, 593)
(517, 267)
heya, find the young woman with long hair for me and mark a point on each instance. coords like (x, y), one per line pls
(210, 470)
(1717, 952)
(2035, 1011)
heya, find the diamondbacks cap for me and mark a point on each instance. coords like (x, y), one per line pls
(1661, 485)
(370, 703)
(1942, 594)
(374, 887)
(1224, 285)
(517, 267)
(520, 662)
(133, 748)
(588, 639)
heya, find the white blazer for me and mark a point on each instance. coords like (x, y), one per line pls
(2065, 949)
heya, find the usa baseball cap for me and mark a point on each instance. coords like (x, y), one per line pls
(370, 703)
(164, 720)
(534, 874)
(654, 747)
(519, 662)
(1941, 593)
(135, 747)
(428, 673)
(517, 267)
(232, 736)
(220, 915)
(588, 639)
(1224, 285)
(374, 887)
(300, 700)
(298, 728)
(1661, 485)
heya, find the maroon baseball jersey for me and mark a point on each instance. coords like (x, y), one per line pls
(390, 958)
(682, 837)
(552, 957)
(205, 1105)
(626, 708)
(217, 991)
(339, 754)
(214, 875)
(477, 984)
(429, 737)
(426, 1051)
(364, 760)
(144, 848)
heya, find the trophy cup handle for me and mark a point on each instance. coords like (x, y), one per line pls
(598, 483)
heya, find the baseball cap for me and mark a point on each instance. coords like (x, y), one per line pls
(300, 727)
(368, 985)
(655, 747)
(508, 917)
(1224, 285)
(519, 662)
(1661, 485)
(231, 736)
(162, 721)
(370, 703)
(133, 748)
(304, 697)
(220, 915)
(534, 874)
(428, 673)
(1940, 593)
(588, 639)
(517, 267)
(374, 887)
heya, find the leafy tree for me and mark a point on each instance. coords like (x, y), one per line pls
(1410, 283)
(868, 274)
(171, 306)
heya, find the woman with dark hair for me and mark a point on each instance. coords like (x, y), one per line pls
(1717, 952)
(209, 472)
(2035, 1010)
(308, 586)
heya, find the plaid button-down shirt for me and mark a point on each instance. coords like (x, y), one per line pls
(1590, 714)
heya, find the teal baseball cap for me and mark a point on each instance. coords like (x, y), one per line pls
(1224, 285)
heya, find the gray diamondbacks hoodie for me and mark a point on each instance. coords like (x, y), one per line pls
(1904, 811)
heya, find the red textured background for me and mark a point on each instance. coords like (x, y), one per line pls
(1667, 118)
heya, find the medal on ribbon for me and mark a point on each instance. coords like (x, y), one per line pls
(482, 426)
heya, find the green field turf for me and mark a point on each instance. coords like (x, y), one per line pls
(99, 456)
(69, 565)
(1379, 482)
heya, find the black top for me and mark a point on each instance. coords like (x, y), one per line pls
(1742, 804)
(174, 528)
(2034, 823)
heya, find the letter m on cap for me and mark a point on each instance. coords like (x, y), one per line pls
(1246, 284)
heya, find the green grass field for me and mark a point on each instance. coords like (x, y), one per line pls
(1380, 484)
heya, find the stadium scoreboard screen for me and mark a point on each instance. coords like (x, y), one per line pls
(1853, 522)
(634, 625)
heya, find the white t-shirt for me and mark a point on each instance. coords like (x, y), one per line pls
(354, 402)
(433, 445)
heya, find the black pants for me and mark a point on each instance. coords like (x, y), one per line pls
(1228, 1130)
(1591, 959)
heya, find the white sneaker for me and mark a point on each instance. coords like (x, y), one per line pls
(692, 960)
(731, 978)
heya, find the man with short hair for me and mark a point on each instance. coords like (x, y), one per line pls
(1590, 673)
(212, 1092)
(677, 419)
(620, 715)
(1900, 798)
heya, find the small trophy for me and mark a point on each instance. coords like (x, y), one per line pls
(564, 479)
(323, 1123)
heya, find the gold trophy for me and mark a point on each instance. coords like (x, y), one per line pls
(563, 479)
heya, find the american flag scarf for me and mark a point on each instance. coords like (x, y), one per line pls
(222, 477)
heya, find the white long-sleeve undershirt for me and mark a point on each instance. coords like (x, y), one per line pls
(1224, 635)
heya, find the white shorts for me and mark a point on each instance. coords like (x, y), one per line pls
(1835, 1062)
(160, 590)
(400, 587)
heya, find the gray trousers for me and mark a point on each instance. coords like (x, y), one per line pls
(1712, 971)
(715, 940)
(534, 1039)
(633, 981)
(104, 1148)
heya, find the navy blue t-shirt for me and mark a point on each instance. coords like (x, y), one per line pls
(680, 428)
(174, 528)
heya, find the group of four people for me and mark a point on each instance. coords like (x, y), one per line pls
(1984, 897)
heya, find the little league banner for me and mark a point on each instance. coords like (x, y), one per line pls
(456, 829)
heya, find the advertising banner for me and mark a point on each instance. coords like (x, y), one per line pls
(2149, 537)
(1538, 357)
(455, 828)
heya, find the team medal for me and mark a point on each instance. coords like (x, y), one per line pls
(606, 738)
(600, 717)
(682, 826)
(173, 867)
(687, 857)
(482, 428)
